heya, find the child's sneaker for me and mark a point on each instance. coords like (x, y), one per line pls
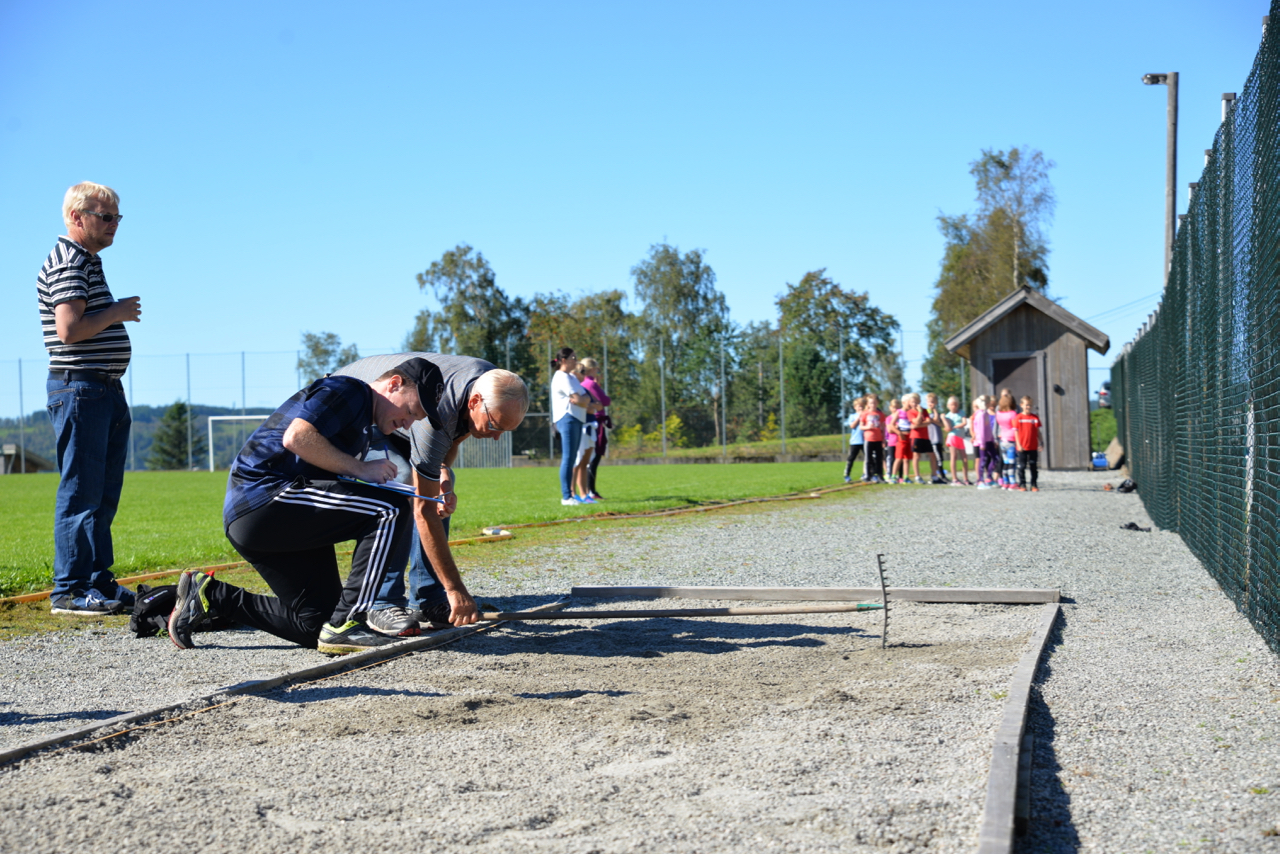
(1035, 489)
(847, 480)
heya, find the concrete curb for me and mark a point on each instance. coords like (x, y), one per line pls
(996, 835)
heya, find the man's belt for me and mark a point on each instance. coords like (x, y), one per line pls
(68, 376)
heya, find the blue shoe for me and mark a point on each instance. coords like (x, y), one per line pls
(82, 604)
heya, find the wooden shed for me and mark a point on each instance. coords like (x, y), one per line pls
(1032, 346)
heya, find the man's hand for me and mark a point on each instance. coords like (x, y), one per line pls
(126, 310)
(462, 608)
(377, 471)
(449, 506)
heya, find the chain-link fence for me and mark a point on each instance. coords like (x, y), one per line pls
(1197, 393)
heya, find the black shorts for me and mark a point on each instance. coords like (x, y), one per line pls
(922, 446)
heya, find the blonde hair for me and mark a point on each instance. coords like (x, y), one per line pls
(859, 404)
(84, 191)
(980, 402)
(498, 388)
(953, 397)
(895, 403)
(914, 397)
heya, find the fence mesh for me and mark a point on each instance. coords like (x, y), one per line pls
(1197, 393)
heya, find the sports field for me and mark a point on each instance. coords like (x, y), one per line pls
(174, 519)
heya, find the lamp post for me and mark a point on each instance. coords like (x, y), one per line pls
(1171, 162)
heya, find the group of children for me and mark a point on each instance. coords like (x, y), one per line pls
(1005, 442)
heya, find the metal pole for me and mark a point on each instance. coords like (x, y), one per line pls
(963, 393)
(189, 454)
(22, 423)
(604, 349)
(782, 390)
(662, 391)
(1171, 173)
(551, 417)
(724, 402)
(840, 370)
(132, 459)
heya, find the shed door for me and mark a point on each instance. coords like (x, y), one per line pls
(1020, 377)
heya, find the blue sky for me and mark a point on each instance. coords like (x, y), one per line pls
(287, 167)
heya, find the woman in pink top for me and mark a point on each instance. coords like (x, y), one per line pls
(595, 437)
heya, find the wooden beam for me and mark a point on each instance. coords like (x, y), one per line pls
(999, 812)
(624, 614)
(934, 595)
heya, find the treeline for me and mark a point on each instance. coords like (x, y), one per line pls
(664, 348)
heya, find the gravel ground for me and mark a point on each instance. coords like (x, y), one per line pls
(1153, 715)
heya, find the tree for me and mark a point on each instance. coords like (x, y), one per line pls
(323, 354)
(476, 317)
(1000, 248)
(681, 323)
(169, 447)
(828, 330)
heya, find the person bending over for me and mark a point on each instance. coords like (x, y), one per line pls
(286, 508)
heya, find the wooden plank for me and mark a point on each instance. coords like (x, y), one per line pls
(630, 614)
(999, 812)
(932, 595)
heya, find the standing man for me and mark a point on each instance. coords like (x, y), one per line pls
(477, 400)
(291, 498)
(89, 351)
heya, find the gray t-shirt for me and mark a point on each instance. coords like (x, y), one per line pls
(428, 446)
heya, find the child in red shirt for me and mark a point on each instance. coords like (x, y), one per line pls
(872, 423)
(1029, 434)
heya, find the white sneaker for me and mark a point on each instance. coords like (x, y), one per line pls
(569, 502)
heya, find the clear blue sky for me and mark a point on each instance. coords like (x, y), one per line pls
(287, 167)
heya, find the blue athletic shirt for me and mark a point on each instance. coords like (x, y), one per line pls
(340, 408)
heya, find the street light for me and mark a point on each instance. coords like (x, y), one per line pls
(1171, 162)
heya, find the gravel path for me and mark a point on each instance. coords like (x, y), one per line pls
(1154, 713)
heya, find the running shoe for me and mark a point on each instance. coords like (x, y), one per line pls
(190, 609)
(920, 481)
(395, 622)
(82, 604)
(570, 502)
(1035, 489)
(352, 636)
(847, 480)
(434, 617)
(982, 484)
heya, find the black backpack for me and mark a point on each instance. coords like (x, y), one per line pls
(151, 613)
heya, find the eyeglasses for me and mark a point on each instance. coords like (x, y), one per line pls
(492, 428)
(105, 217)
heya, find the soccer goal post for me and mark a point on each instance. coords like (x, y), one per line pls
(213, 418)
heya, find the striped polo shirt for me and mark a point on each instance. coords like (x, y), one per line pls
(73, 273)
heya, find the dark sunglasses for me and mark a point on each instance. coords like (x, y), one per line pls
(105, 217)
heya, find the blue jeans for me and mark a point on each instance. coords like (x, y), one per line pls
(570, 437)
(91, 422)
(425, 590)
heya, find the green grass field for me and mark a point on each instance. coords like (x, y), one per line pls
(174, 519)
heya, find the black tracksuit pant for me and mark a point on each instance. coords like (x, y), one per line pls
(290, 543)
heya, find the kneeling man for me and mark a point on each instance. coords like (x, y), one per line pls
(286, 509)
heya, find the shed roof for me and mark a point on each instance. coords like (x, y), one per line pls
(1091, 336)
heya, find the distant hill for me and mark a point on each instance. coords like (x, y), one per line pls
(40, 440)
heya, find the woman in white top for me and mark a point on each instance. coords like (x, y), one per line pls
(568, 412)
